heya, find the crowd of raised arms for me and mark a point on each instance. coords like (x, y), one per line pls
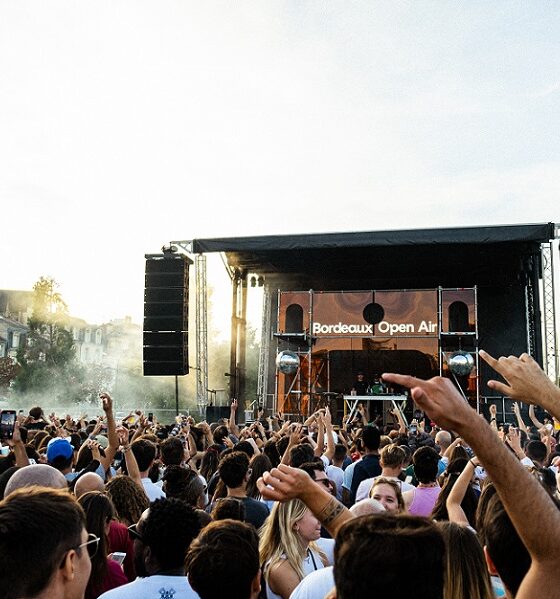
(454, 507)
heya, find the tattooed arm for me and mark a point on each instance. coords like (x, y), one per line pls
(285, 483)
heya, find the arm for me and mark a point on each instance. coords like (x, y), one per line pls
(130, 459)
(285, 483)
(140, 428)
(294, 440)
(232, 426)
(519, 419)
(534, 419)
(112, 436)
(400, 420)
(320, 437)
(493, 413)
(18, 448)
(447, 453)
(525, 500)
(329, 454)
(525, 381)
(457, 494)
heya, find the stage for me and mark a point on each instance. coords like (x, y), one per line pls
(400, 300)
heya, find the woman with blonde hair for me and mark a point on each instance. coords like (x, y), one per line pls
(288, 547)
(466, 572)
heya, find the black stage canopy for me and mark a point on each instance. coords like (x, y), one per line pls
(415, 258)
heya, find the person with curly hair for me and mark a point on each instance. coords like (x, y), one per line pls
(128, 499)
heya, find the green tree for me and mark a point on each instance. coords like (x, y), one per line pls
(48, 362)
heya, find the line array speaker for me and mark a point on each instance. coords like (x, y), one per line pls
(166, 315)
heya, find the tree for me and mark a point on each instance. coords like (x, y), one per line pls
(8, 371)
(48, 362)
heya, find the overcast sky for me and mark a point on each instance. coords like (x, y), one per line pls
(125, 124)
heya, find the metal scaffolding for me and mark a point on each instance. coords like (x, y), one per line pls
(549, 321)
(201, 334)
(262, 381)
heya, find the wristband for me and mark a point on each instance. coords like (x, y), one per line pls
(472, 463)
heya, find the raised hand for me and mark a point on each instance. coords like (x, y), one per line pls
(106, 402)
(438, 397)
(525, 381)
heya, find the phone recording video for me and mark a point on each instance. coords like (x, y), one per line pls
(7, 424)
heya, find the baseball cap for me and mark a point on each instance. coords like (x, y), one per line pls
(57, 448)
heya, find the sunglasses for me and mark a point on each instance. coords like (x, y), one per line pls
(134, 534)
(324, 481)
(92, 544)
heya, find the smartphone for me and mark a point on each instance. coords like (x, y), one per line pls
(118, 556)
(7, 423)
(413, 429)
(150, 416)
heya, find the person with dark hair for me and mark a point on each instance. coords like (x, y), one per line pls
(421, 500)
(36, 419)
(234, 472)
(300, 454)
(185, 484)
(368, 466)
(536, 452)
(469, 499)
(259, 463)
(106, 574)
(368, 558)
(162, 538)
(172, 452)
(44, 545)
(145, 453)
(210, 568)
(228, 508)
(506, 555)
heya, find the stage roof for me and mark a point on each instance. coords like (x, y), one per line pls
(458, 256)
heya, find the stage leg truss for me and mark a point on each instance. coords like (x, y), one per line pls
(266, 333)
(201, 334)
(549, 319)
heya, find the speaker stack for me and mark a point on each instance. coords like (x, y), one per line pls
(166, 315)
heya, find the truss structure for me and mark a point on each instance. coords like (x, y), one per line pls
(201, 334)
(262, 381)
(549, 320)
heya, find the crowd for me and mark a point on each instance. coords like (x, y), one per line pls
(452, 507)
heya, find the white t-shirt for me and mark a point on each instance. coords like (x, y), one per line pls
(315, 585)
(154, 587)
(365, 486)
(152, 490)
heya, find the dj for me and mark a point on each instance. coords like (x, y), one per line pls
(360, 384)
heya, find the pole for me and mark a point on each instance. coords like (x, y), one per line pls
(176, 395)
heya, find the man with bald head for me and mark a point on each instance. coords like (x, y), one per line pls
(443, 441)
(41, 475)
(90, 481)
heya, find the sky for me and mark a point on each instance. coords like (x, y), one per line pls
(126, 124)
